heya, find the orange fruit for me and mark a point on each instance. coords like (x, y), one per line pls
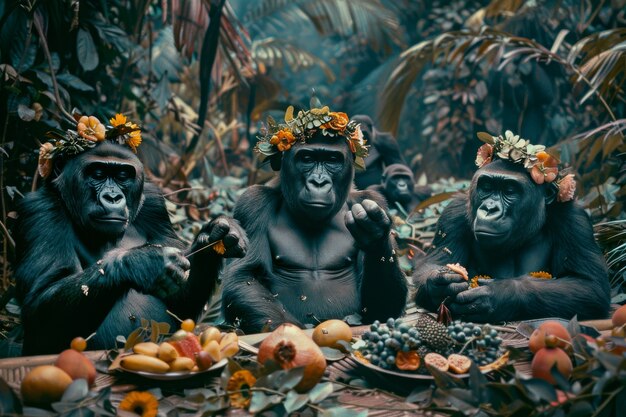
(619, 317)
(330, 332)
(44, 385)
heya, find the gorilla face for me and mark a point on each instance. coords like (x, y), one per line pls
(102, 189)
(507, 207)
(399, 188)
(316, 177)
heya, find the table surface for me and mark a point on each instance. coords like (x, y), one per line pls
(378, 403)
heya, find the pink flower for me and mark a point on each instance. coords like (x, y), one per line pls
(545, 170)
(484, 155)
(567, 188)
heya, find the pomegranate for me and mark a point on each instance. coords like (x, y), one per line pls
(290, 347)
(619, 317)
(545, 359)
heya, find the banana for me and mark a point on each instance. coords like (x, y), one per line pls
(139, 362)
(167, 352)
(210, 333)
(146, 348)
(182, 363)
(213, 349)
(228, 339)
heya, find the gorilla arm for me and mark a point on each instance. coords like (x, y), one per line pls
(244, 297)
(433, 281)
(370, 226)
(580, 287)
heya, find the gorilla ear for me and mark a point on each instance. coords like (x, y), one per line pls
(551, 190)
(276, 161)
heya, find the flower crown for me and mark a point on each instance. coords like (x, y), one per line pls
(89, 132)
(280, 137)
(542, 167)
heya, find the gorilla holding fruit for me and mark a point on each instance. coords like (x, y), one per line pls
(96, 251)
(319, 249)
(529, 247)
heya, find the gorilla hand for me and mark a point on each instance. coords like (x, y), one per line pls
(174, 275)
(228, 231)
(442, 283)
(476, 304)
(369, 225)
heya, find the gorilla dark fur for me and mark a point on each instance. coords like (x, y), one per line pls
(96, 252)
(399, 188)
(318, 248)
(507, 228)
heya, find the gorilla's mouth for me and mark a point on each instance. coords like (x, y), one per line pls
(111, 219)
(317, 203)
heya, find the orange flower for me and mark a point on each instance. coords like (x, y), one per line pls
(474, 281)
(45, 160)
(541, 275)
(283, 139)
(238, 388)
(134, 138)
(118, 120)
(339, 121)
(546, 168)
(567, 188)
(484, 155)
(219, 247)
(140, 402)
(90, 128)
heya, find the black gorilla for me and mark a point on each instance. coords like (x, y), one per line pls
(399, 188)
(96, 252)
(507, 229)
(318, 248)
(384, 150)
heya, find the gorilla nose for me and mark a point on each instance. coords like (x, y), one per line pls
(319, 183)
(112, 200)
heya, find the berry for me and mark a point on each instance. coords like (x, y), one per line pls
(79, 344)
(188, 325)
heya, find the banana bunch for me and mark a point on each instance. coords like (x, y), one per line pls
(184, 351)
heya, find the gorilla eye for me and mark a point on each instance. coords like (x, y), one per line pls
(334, 159)
(123, 175)
(98, 174)
(306, 159)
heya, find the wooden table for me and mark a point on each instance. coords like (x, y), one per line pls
(378, 403)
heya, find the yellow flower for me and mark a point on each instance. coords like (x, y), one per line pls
(283, 139)
(119, 119)
(541, 275)
(219, 247)
(339, 121)
(238, 388)
(140, 402)
(90, 128)
(133, 139)
(45, 161)
(474, 281)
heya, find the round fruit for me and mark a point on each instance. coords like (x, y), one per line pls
(538, 337)
(44, 385)
(203, 360)
(79, 344)
(545, 359)
(76, 365)
(188, 325)
(289, 347)
(330, 332)
(619, 317)
(436, 360)
(459, 364)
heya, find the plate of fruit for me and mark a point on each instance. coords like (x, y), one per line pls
(408, 350)
(183, 355)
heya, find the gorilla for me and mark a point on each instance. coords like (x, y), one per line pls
(399, 188)
(96, 252)
(319, 249)
(511, 229)
(384, 150)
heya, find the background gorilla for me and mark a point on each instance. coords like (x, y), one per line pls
(507, 229)
(319, 249)
(399, 188)
(383, 151)
(96, 252)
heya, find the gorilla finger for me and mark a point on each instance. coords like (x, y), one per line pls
(231, 239)
(358, 212)
(375, 212)
(470, 295)
(454, 289)
(219, 230)
(471, 309)
(446, 279)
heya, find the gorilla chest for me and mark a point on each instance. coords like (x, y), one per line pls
(314, 272)
(534, 258)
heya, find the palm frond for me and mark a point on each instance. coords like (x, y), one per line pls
(271, 52)
(367, 18)
(598, 61)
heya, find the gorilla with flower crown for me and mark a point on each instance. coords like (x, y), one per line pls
(319, 249)
(96, 251)
(525, 245)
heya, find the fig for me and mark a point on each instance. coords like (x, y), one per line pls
(436, 360)
(459, 364)
(204, 360)
(44, 385)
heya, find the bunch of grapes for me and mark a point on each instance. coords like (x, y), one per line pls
(384, 340)
(484, 344)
